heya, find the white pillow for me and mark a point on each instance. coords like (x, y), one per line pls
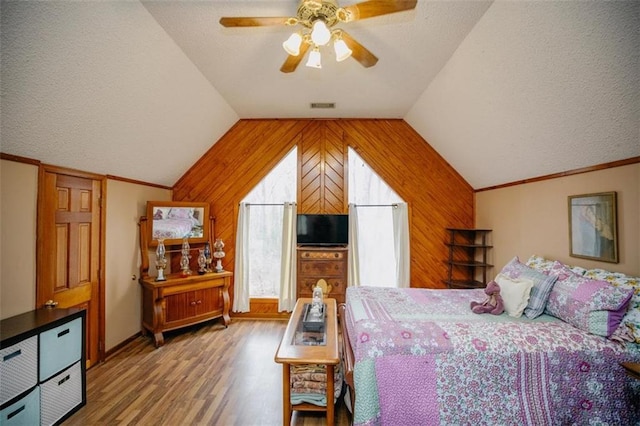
(515, 293)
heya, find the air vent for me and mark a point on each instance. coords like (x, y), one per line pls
(323, 105)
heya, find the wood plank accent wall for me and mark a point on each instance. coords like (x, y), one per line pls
(438, 196)
(322, 165)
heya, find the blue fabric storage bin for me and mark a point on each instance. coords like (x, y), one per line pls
(24, 412)
(60, 347)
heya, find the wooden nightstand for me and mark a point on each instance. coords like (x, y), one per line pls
(632, 369)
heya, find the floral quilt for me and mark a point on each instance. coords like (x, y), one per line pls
(422, 357)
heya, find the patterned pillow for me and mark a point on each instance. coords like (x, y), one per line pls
(594, 306)
(632, 318)
(541, 264)
(545, 265)
(542, 285)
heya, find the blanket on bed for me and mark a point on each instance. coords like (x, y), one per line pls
(422, 357)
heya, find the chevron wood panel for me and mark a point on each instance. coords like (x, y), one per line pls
(322, 154)
(334, 165)
(438, 196)
(310, 176)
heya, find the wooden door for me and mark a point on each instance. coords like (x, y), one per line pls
(70, 235)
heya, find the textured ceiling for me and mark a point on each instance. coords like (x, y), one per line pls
(504, 90)
(243, 64)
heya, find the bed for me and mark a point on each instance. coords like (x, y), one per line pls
(419, 356)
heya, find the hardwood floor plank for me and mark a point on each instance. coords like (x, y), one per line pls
(203, 375)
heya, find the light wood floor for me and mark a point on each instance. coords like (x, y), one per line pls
(203, 375)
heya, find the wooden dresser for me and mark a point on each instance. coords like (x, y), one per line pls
(181, 301)
(326, 266)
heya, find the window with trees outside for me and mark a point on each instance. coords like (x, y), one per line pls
(373, 198)
(375, 224)
(265, 226)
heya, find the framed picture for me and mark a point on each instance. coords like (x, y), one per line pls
(593, 231)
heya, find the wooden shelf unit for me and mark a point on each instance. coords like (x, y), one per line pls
(467, 258)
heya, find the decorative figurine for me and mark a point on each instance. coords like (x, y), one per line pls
(207, 256)
(161, 261)
(218, 254)
(184, 260)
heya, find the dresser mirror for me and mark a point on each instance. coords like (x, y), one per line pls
(173, 221)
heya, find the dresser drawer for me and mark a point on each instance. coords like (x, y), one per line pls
(61, 394)
(18, 368)
(335, 286)
(24, 412)
(322, 268)
(323, 254)
(60, 347)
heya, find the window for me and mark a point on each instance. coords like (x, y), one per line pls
(374, 198)
(265, 226)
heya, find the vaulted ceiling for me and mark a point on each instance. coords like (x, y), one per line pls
(503, 90)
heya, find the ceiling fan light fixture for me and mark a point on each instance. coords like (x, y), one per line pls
(314, 58)
(320, 34)
(292, 45)
(341, 49)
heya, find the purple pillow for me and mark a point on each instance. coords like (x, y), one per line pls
(594, 306)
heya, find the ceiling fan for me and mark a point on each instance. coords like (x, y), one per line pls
(317, 20)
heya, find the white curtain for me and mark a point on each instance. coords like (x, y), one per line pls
(241, 270)
(287, 298)
(353, 269)
(400, 215)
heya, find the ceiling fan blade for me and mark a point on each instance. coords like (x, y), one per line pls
(371, 8)
(359, 52)
(291, 63)
(255, 21)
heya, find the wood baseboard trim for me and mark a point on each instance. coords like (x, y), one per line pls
(271, 316)
(117, 348)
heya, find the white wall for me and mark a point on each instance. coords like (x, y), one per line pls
(18, 201)
(533, 218)
(126, 202)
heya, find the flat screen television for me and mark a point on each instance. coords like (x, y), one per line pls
(323, 229)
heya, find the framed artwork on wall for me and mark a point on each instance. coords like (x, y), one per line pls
(593, 229)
